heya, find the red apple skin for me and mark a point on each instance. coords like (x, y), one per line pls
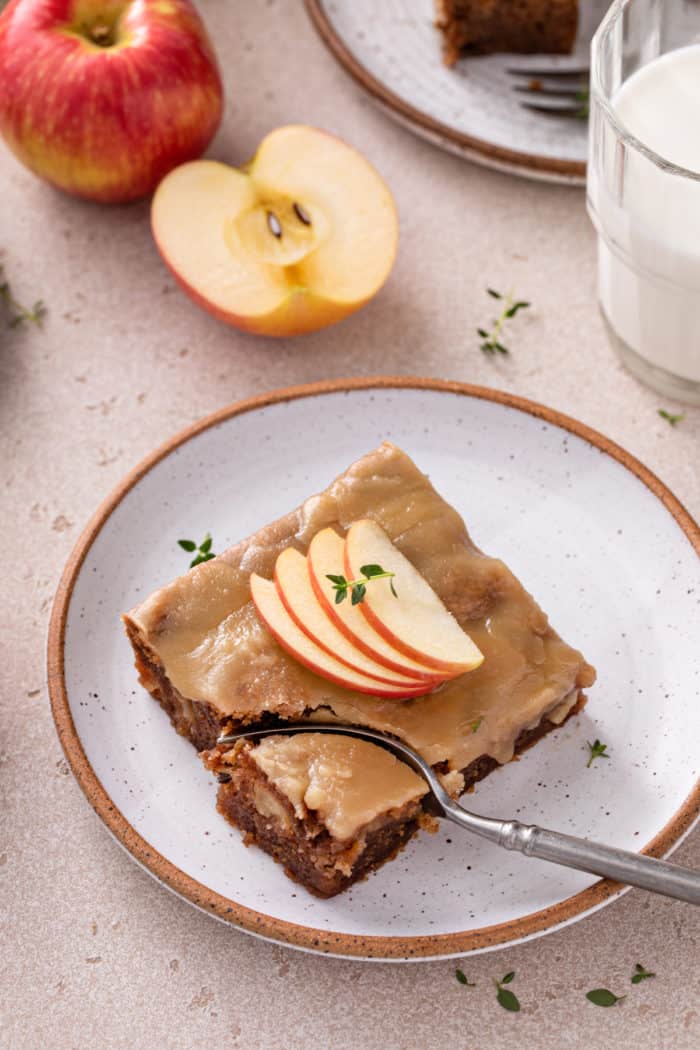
(380, 679)
(106, 123)
(381, 691)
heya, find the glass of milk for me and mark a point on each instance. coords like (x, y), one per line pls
(644, 188)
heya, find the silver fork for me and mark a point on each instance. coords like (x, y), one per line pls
(609, 862)
(554, 92)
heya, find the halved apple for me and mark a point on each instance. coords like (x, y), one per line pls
(326, 555)
(416, 623)
(294, 586)
(279, 623)
(298, 239)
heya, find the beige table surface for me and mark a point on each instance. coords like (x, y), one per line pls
(94, 953)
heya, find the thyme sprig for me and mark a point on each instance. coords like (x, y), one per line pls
(507, 999)
(20, 314)
(670, 417)
(203, 549)
(492, 340)
(597, 750)
(358, 588)
(641, 974)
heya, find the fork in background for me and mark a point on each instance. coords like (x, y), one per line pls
(554, 92)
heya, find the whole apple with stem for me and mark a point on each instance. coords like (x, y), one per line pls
(102, 98)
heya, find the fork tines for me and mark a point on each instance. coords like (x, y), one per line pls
(554, 92)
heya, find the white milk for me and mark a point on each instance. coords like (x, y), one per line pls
(649, 276)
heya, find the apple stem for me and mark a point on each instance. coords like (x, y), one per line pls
(101, 34)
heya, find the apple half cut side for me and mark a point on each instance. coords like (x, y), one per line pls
(416, 623)
(294, 586)
(282, 627)
(326, 555)
(298, 239)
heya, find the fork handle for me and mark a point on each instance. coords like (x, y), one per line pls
(633, 869)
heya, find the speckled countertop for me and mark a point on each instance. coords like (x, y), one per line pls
(94, 953)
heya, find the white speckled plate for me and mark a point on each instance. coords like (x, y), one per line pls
(393, 50)
(604, 547)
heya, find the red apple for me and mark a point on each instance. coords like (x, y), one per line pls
(104, 97)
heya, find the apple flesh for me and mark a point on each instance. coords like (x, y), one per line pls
(298, 239)
(103, 97)
(326, 555)
(281, 626)
(416, 623)
(294, 586)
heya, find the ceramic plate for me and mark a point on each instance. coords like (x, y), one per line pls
(394, 51)
(604, 547)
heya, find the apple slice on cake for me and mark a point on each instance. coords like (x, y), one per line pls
(326, 557)
(282, 627)
(418, 639)
(417, 623)
(294, 587)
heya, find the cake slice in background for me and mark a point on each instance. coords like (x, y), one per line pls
(481, 27)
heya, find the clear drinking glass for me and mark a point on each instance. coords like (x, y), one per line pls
(645, 207)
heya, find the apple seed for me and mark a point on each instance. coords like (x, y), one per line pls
(274, 225)
(301, 214)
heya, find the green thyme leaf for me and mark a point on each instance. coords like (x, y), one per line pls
(583, 96)
(603, 997)
(640, 974)
(204, 551)
(358, 593)
(205, 545)
(508, 977)
(393, 589)
(482, 332)
(19, 313)
(508, 1000)
(371, 570)
(494, 294)
(520, 305)
(475, 725)
(597, 750)
(340, 595)
(670, 418)
(340, 580)
(463, 979)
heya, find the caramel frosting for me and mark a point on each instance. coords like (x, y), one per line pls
(346, 783)
(205, 632)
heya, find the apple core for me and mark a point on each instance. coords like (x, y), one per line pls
(279, 231)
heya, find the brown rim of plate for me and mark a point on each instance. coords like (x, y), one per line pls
(509, 159)
(368, 947)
